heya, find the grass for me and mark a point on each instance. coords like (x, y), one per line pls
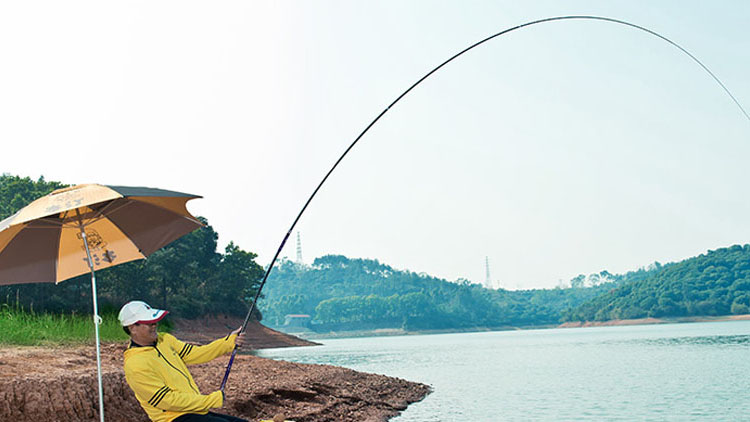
(27, 328)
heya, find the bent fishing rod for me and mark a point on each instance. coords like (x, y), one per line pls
(545, 20)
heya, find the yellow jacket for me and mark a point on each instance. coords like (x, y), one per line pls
(159, 377)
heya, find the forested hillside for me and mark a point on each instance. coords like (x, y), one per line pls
(188, 277)
(715, 283)
(343, 293)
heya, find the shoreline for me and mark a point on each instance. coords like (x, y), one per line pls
(206, 329)
(389, 332)
(650, 321)
(395, 332)
(60, 383)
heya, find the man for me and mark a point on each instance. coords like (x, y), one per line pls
(156, 368)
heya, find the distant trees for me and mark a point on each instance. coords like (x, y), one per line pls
(344, 293)
(340, 293)
(715, 283)
(188, 277)
(16, 192)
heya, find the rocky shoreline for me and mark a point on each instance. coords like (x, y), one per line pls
(38, 383)
(648, 321)
(258, 336)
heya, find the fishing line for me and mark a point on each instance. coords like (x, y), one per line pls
(551, 19)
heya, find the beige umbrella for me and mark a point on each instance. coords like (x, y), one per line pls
(85, 228)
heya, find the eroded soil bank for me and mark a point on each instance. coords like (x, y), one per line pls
(646, 321)
(210, 328)
(59, 384)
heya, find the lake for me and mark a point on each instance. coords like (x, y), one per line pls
(669, 372)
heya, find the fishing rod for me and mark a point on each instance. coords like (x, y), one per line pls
(539, 21)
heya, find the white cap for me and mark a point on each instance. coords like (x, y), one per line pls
(137, 311)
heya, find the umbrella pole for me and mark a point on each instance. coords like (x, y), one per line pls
(97, 321)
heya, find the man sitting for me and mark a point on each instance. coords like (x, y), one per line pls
(156, 368)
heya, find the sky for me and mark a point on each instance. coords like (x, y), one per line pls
(559, 149)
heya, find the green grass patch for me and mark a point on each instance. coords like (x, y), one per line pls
(27, 328)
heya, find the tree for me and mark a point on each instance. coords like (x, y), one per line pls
(17, 192)
(238, 273)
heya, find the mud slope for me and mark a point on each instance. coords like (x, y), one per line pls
(206, 329)
(39, 384)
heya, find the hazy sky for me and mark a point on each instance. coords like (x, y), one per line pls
(563, 148)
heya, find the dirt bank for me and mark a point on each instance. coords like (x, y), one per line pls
(640, 321)
(42, 384)
(210, 328)
(612, 322)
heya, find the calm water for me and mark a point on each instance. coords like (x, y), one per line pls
(675, 372)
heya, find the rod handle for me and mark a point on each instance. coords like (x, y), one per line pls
(229, 367)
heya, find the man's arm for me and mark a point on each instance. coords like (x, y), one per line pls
(149, 388)
(193, 354)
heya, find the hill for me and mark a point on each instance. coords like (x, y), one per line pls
(341, 293)
(712, 284)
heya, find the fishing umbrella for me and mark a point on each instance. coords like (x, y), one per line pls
(84, 228)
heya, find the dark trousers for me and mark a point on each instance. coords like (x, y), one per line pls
(208, 417)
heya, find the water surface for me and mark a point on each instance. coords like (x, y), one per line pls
(670, 372)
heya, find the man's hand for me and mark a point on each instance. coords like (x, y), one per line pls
(240, 340)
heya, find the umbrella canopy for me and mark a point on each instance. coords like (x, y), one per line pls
(43, 241)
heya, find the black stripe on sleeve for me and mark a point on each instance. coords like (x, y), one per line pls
(186, 351)
(161, 397)
(160, 393)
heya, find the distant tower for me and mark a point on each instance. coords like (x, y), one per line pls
(487, 280)
(299, 249)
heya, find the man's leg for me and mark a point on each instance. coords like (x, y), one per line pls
(227, 418)
(209, 417)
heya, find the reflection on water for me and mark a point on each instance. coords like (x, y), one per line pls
(735, 340)
(670, 372)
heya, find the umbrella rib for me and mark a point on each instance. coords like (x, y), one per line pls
(98, 215)
(188, 217)
(130, 201)
(55, 223)
(102, 212)
(125, 233)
